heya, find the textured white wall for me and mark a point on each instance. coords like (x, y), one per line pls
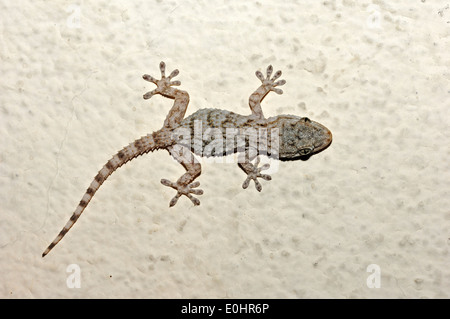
(376, 73)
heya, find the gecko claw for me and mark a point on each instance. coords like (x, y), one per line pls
(150, 78)
(184, 190)
(163, 84)
(255, 173)
(148, 95)
(270, 83)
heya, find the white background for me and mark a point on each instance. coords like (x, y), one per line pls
(376, 73)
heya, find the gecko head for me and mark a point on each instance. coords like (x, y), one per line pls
(300, 138)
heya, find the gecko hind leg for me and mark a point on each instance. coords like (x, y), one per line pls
(253, 172)
(268, 84)
(164, 86)
(184, 185)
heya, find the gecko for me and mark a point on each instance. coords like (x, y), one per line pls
(283, 137)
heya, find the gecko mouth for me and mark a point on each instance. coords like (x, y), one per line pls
(322, 146)
(325, 138)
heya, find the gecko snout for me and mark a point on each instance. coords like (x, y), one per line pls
(324, 139)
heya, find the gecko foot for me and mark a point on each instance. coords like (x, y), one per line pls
(270, 83)
(163, 84)
(254, 172)
(184, 190)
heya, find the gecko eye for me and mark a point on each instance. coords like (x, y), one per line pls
(306, 151)
(305, 119)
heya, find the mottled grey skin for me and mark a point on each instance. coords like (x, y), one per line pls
(299, 137)
(284, 137)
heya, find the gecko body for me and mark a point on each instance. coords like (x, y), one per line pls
(297, 137)
(215, 132)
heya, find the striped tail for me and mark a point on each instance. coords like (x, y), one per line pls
(139, 147)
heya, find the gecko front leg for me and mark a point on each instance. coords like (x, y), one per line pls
(268, 84)
(253, 172)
